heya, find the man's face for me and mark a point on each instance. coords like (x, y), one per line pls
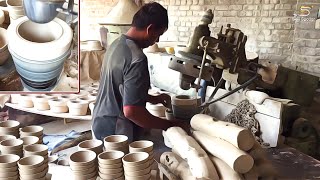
(153, 35)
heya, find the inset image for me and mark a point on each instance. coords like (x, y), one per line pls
(39, 46)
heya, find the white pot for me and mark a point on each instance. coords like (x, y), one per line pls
(58, 105)
(26, 101)
(78, 108)
(39, 42)
(156, 109)
(41, 102)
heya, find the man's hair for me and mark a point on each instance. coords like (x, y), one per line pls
(151, 13)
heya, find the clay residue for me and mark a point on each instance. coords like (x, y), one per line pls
(243, 115)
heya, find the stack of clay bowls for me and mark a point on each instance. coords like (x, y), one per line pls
(4, 52)
(37, 149)
(12, 146)
(92, 145)
(110, 165)
(78, 107)
(136, 166)
(116, 143)
(15, 8)
(6, 137)
(9, 167)
(58, 105)
(32, 131)
(9, 127)
(142, 146)
(40, 102)
(39, 51)
(33, 168)
(26, 100)
(84, 165)
(29, 140)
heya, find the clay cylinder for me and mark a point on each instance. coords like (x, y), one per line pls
(224, 171)
(238, 160)
(236, 135)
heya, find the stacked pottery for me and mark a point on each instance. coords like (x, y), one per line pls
(92, 145)
(33, 168)
(110, 165)
(9, 167)
(32, 131)
(37, 149)
(78, 107)
(4, 52)
(15, 8)
(58, 105)
(84, 165)
(142, 146)
(6, 137)
(9, 127)
(116, 143)
(26, 100)
(29, 140)
(136, 166)
(40, 102)
(39, 51)
(12, 146)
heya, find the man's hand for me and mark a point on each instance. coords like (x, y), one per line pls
(165, 99)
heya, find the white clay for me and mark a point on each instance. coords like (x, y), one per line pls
(224, 171)
(236, 135)
(237, 159)
(188, 148)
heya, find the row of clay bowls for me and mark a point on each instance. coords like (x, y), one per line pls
(75, 104)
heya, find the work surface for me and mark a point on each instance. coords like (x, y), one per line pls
(289, 163)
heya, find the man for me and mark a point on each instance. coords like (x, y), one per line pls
(123, 92)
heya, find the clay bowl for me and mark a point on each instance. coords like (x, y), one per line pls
(58, 105)
(43, 167)
(110, 157)
(31, 131)
(124, 149)
(93, 95)
(115, 141)
(4, 52)
(110, 176)
(85, 171)
(81, 94)
(110, 171)
(2, 17)
(9, 161)
(93, 145)
(84, 167)
(141, 146)
(90, 176)
(87, 99)
(26, 101)
(136, 167)
(15, 98)
(9, 125)
(134, 159)
(110, 166)
(6, 137)
(36, 149)
(29, 140)
(8, 174)
(139, 173)
(11, 144)
(53, 159)
(63, 162)
(82, 158)
(10, 169)
(68, 97)
(144, 177)
(10, 178)
(78, 108)
(41, 102)
(34, 176)
(30, 162)
(14, 4)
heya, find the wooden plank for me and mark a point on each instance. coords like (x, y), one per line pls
(49, 113)
(269, 107)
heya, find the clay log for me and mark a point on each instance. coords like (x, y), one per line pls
(224, 171)
(236, 135)
(237, 159)
(187, 147)
(177, 165)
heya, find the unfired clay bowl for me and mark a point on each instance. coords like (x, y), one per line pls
(41, 102)
(30, 162)
(58, 105)
(26, 101)
(110, 157)
(110, 166)
(93, 145)
(141, 146)
(134, 159)
(11, 144)
(157, 110)
(36, 149)
(136, 167)
(8, 161)
(87, 99)
(10, 169)
(34, 176)
(85, 171)
(31, 131)
(115, 141)
(29, 140)
(9, 125)
(139, 173)
(110, 176)
(82, 158)
(110, 171)
(8, 174)
(78, 108)
(36, 170)
(144, 177)
(6, 137)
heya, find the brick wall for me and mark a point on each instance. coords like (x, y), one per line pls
(269, 25)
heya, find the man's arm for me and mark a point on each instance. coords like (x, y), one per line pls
(140, 116)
